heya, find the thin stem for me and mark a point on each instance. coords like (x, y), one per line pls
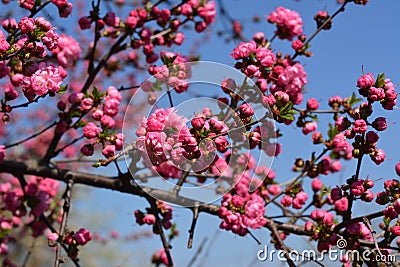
(66, 209)
(320, 28)
(164, 241)
(193, 226)
(32, 136)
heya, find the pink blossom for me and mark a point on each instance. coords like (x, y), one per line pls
(360, 126)
(390, 212)
(109, 151)
(107, 121)
(91, 130)
(41, 204)
(288, 22)
(67, 51)
(312, 104)
(246, 110)
(82, 236)
(316, 185)
(4, 45)
(366, 81)
(2, 153)
(207, 12)
(149, 219)
(396, 230)
(378, 156)
(255, 212)
(26, 25)
(357, 189)
(297, 45)
(376, 94)
(341, 204)
(46, 78)
(50, 39)
(286, 201)
(309, 127)
(274, 189)
(368, 196)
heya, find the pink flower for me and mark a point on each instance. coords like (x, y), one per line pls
(91, 130)
(297, 45)
(288, 22)
(274, 189)
(396, 230)
(309, 127)
(198, 122)
(341, 205)
(265, 57)
(246, 110)
(376, 94)
(4, 45)
(82, 236)
(149, 219)
(208, 12)
(46, 78)
(87, 150)
(50, 39)
(368, 196)
(360, 126)
(312, 104)
(316, 185)
(286, 201)
(366, 81)
(26, 25)
(390, 212)
(87, 103)
(397, 168)
(52, 237)
(109, 151)
(378, 156)
(2, 153)
(67, 51)
(357, 189)
(254, 211)
(107, 121)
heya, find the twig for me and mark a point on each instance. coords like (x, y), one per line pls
(193, 226)
(28, 255)
(197, 253)
(272, 227)
(320, 28)
(32, 136)
(105, 162)
(164, 241)
(368, 224)
(66, 209)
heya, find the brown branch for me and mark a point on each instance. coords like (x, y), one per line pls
(194, 221)
(117, 183)
(274, 231)
(32, 136)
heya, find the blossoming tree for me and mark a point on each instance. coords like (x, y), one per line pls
(201, 135)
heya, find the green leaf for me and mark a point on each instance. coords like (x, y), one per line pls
(332, 132)
(352, 100)
(63, 89)
(287, 107)
(168, 60)
(380, 80)
(287, 116)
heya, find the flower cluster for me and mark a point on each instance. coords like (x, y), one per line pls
(164, 140)
(67, 51)
(288, 23)
(174, 73)
(46, 78)
(110, 102)
(149, 217)
(72, 240)
(239, 212)
(38, 195)
(379, 90)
